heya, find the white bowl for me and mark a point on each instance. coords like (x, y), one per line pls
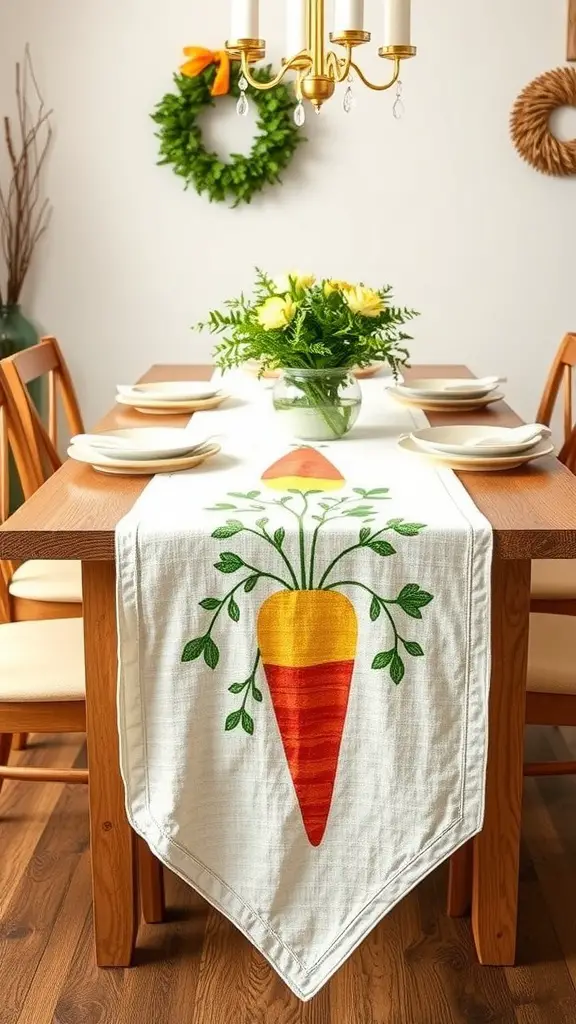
(140, 443)
(459, 441)
(170, 390)
(437, 388)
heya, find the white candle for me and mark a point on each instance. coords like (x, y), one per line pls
(244, 20)
(348, 16)
(396, 22)
(296, 39)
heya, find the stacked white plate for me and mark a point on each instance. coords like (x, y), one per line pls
(141, 451)
(448, 394)
(172, 396)
(480, 448)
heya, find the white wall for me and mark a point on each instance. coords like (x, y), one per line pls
(438, 204)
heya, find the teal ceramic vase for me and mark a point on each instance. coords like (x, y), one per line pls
(17, 333)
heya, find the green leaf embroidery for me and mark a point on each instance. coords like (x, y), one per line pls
(382, 547)
(194, 648)
(261, 523)
(247, 722)
(257, 694)
(375, 609)
(229, 562)
(383, 659)
(413, 648)
(364, 534)
(411, 599)
(408, 529)
(396, 669)
(279, 536)
(220, 506)
(211, 653)
(250, 583)
(376, 492)
(236, 688)
(233, 720)
(233, 610)
(361, 511)
(210, 604)
(232, 527)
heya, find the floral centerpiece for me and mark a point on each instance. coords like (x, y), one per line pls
(315, 332)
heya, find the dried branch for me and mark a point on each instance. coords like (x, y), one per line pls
(24, 214)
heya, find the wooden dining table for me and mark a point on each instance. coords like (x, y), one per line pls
(532, 512)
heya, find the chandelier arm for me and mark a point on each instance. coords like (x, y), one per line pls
(262, 86)
(371, 85)
(339, 67)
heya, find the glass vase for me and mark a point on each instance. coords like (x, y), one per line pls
(317, 405)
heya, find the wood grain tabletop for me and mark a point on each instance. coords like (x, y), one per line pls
(532, 510)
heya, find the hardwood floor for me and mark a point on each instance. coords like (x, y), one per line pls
(417, 967)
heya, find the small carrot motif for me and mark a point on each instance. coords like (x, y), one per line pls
(304, 468)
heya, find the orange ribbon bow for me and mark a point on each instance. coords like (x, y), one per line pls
(199, 59)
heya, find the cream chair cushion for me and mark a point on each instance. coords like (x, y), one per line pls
(554, 579)
(42, 661)
(48, 581)
(552, 654)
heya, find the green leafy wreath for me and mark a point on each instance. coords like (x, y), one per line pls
(241, 177)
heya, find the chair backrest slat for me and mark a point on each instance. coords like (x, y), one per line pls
(19, 370)
(561, 376)
(568, 452)
(12, 441)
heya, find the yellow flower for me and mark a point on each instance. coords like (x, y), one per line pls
(276, 313)
(332, 285)
(294, 278)
(364, 301)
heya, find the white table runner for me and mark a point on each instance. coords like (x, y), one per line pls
(304, 676)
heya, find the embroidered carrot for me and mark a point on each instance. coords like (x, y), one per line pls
(304, 468)
(308, 640)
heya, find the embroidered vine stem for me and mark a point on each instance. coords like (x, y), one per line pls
(353, 547)
(266, 536)
(249, 688)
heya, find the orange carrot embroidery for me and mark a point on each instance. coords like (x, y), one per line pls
(307, 630)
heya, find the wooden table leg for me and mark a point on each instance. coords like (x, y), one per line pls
(112, 840)
(497, 847)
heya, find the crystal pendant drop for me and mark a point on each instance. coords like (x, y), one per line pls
(242, 107)
(242, 84)
(348, 101)
(299, 115)
(398, 109)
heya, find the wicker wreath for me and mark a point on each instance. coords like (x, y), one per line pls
(530, 122)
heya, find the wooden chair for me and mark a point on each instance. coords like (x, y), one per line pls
(42, 589)
(550, 697)
(554, 580)
(550, 700)
(42, 680)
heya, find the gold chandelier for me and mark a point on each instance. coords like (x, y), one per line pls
(318, 69)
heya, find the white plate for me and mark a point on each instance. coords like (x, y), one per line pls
(476, 463)
(141, 443)
(445, 405)
(151, 467)
(435, 388)
(171, 390)
(164, 408)
(458, 441)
